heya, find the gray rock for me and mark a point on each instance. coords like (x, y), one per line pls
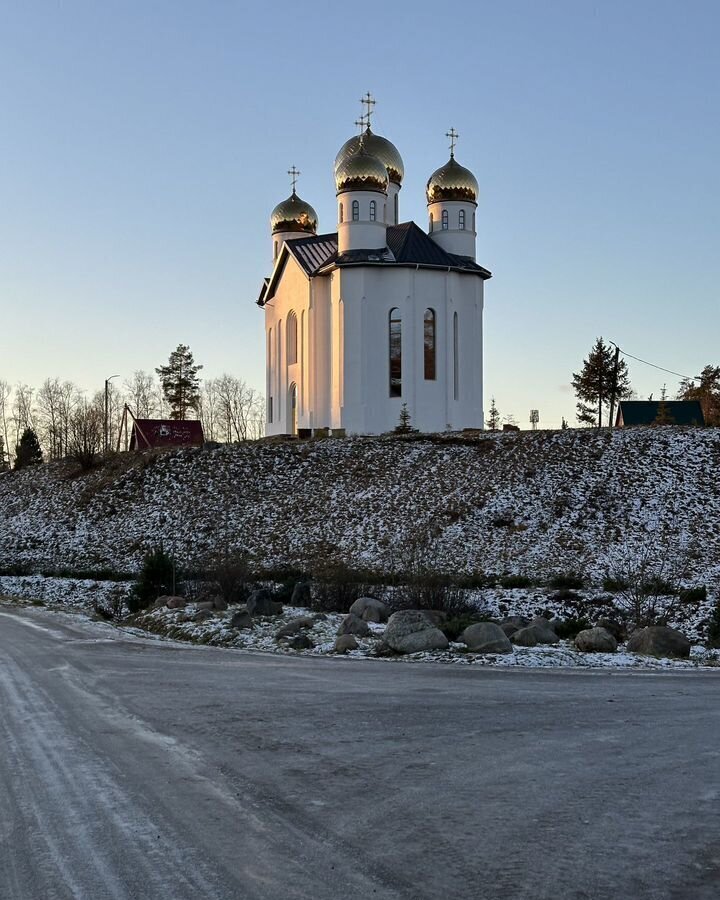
(532, 635)
(434, 616)
(659, 640)
(345, 643)
(595, 640)
(202, 615)
(170, 602)
(206, 604)
(410, 631)
(294, 626)
(300, 642)
(370, 610)
(616, 629)
(300, 594)
(486, 637)
(544, 623)
(509, 628)
(353, 624)
(241, 619)
(261, 603)
(517, 621)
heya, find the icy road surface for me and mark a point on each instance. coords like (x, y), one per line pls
(132, 768)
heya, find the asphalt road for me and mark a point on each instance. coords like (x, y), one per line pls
(132, 768)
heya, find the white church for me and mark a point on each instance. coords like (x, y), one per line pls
(379, 313)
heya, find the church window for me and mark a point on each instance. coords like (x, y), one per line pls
(429, 344)
(397, 213)
(291, 335)
(431, 223)
(340, 214)
(269, 410)
(456, 365)
(473, 221)
(373, 210)
(445, 220)
(461, 220)
(355, 210)
(395, 352)
(275, 250)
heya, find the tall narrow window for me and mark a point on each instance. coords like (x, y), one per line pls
(340, 214)
(269, 376)
(373, 210)
(431, 223)
(355, 210)
(395, 354)
(456, 362)
(276, 249)
(429, 344)
(461, 220)
(397, 212)
(445, 220)
(473, 221)
(292, 336)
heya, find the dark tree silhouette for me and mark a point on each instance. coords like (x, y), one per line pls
(28, 452)
(707, 390)
(594, 383)
(180, 382)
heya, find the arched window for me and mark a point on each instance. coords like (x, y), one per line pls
(456, 363)
(473, 221)
(275, 250)
(269, 376)
(461, 220)
(429, 344)
(355, 210)
(340, 214)
(395, 352)
(431, 223)
(397, 214)
(445, 220)
(373, 210)
(291, 335)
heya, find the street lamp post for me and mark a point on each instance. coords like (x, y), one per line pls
(105, 429)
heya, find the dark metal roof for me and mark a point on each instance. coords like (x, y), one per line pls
(407, 245)
(646, 412)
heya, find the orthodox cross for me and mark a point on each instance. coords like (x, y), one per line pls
(368, 101)
(453, 135)
(361, 123)
(293, 173)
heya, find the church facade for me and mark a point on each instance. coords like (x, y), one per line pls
(378, 314)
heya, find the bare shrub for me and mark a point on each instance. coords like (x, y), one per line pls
(230, 576)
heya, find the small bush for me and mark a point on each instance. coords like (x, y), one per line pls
(158, 576)
(694, 594)
(615, 585)
(713, 639)
(454, 627)
(566, 581)
(569, 628)
(515, 581)
(334, 588)
(566, 595)
(230, 575)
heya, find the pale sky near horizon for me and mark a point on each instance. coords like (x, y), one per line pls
(144, 144)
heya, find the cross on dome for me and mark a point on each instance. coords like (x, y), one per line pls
(293, 173)
(453, 135)
(368, 101)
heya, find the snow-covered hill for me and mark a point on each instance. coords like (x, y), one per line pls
(538, 504)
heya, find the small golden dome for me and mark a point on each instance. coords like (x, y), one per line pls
(452, 182)
(293, 214)
(361, 172)
(377, 146)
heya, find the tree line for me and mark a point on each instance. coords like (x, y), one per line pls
(59, 420)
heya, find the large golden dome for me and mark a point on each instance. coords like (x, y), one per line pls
(377, 146)
(452, 182)
(293, 214)
(361, 171)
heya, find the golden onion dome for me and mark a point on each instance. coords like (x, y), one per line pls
(452, 182)
(377, 146)
(361, 171)
(293, 214)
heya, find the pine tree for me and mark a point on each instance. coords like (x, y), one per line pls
(28, 452)
(593, 384)
(706, 389)
(404, 426)
(663, 416)
(180, 382)
(564, 425)
(493, 422)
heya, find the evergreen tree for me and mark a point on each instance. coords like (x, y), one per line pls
(493, 422)
(404, 426)
(663, 416)
(706, 389)
(28, 452)
(593, 384)
(157, 577)
(180, 382)
(564, 424)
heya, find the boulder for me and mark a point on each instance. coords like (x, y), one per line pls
(544, 623)
(410, 631)
(595, 640)
(659, 640)
(345, 643)
(353, 624)
(616, 629)
(434, 616)
(486, 637)
(261, 603)
(370, 610)
(206, 604)
(294, 626)
(532, 635)
(301, 594)
(171, 602)
(241, 619)
(300, 642)
(202, 615)
(517, 621)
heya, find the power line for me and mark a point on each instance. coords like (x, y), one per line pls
(661, 368)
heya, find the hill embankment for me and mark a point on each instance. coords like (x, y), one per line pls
(535, 504)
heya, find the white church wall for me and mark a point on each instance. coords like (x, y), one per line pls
(364, 233)
(453, 239)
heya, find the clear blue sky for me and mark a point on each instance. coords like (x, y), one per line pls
(143, 145)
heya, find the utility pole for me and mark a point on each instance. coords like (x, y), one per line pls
(106, 417)
(613, 392)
